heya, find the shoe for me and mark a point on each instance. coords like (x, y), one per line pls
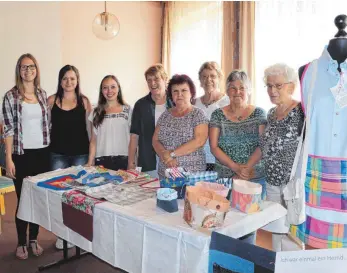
(60, 244)
(35, 247)
(22, 252)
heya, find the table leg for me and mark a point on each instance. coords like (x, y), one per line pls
(65, 259)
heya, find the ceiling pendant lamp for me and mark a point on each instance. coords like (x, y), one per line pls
(106, 25)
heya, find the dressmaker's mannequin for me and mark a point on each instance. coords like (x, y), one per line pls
(337, 47)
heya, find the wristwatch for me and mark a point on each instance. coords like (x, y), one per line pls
(173, 155)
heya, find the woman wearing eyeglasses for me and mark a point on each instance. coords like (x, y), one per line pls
(281, 136)
(210, 76)
(26, 134)
(234, 135)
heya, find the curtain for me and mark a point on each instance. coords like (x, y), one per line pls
(292, 32)
(238, 39)
(166, 36)
(192, 34)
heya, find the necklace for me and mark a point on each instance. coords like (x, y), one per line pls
(240, 116)
(207, 104)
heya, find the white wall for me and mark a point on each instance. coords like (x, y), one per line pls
(59, 33)
(30, 27)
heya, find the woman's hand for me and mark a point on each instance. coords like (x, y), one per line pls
(165, 156)
(172, 163)
(131, 166)
(10, 169)
(246, 172)
(89, 164)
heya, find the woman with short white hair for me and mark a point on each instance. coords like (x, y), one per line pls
(280, 139)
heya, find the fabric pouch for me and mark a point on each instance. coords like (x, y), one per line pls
(246, 196)
(167, 199)
(204, 209)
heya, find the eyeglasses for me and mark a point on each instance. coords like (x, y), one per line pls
(30, 66)
(213, 77)
(277, 86)
(234, 89)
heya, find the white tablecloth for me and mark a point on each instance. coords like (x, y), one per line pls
(140, 238)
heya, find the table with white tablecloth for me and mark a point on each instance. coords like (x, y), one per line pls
(139, 238)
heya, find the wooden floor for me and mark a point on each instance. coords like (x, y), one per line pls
(88, 264)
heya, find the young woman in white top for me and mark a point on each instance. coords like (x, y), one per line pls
(210, 76)
(26, 135)
(111, 127)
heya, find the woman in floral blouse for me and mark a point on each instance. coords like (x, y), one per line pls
(281, 136)
(234, 135)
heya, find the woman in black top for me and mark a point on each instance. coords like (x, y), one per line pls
(70, 129)
(69, 132)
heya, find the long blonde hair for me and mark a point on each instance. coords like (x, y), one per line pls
(19, 80)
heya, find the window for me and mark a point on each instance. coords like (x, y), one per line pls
(294, 32)
(196, 37)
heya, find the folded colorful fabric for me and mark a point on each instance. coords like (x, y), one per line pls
(96, 179)
(59, 182)
(77, 210)
(89, 176)
(80, 201)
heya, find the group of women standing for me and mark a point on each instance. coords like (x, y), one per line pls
(218, 131)
(60, 131)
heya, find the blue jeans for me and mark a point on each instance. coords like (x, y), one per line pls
(65, 161)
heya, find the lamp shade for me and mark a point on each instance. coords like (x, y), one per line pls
(106, 26)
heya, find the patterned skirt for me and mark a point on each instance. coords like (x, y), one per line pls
(326, 204)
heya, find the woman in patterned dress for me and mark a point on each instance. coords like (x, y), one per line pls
(182, 131)
(234, 135)
(281, 137)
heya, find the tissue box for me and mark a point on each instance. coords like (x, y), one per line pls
(246, 196)
(167, 199)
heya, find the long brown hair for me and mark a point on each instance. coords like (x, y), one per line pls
(19, 80)
(100, 110)
(60, 90)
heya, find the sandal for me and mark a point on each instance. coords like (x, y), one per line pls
(35, 247)
(22, 252)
